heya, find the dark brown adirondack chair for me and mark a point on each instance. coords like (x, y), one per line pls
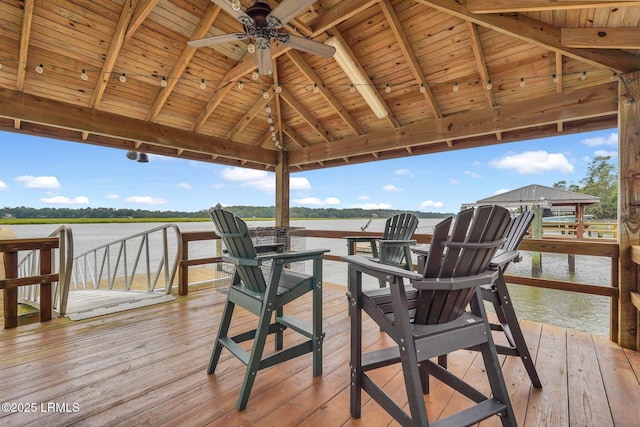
(430, 317)
(264, 292)
(394, 244)
(498, 295)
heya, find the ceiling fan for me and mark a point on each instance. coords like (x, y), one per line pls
(261, 25)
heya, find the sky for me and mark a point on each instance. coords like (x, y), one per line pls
(40, 172)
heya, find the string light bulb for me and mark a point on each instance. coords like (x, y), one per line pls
(555, 78)
(235, 4)
(522, 83)
(388, 88)
(583, 76)
(423, 89)
(456, 87)
(352, 89)
(265, 94)
(122, 78)
(489, 85)
(39, 69)
(255, 75)
(84, 75)
(268, 109)
(316, 89)
(251, 48)
(0, 65)
(203, 84)
(240, 85)
(279, 88)
(163, 82)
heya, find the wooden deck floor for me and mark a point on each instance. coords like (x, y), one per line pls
(147, 367)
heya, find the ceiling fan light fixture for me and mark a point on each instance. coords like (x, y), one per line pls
(358, 79)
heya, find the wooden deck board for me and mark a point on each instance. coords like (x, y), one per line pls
(147, 367)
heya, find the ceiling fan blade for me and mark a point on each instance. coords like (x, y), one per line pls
(227, 7)
(286, 11)
(264, 58)
(310, 46)
(212, 41)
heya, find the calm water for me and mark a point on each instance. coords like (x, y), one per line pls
(582, 312)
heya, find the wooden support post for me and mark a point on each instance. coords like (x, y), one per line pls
(46, 299)
(536, 233)
(628, 206)
(10, 297)
(282, 190)
(183, 270)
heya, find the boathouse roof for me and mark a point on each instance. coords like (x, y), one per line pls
(539, 194)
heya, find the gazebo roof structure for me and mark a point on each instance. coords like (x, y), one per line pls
(445, 74)
(540, 195)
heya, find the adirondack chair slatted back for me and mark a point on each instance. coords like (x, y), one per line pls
(236, 238)
(398, 227)
(518, 230)
(467, 251)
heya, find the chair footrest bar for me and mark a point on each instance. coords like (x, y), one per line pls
(235, 349)
(472, 415)
(297, 324)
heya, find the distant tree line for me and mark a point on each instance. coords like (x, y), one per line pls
(241, 211)
(601, 181)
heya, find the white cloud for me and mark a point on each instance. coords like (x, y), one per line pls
(61, 200)
(431, 204)
(604, 153)
(146, 200)
(185, 186)
(473, 174)
(39, 182)
(611, 139)
(113, 197)
(534, 162)
(364, 197)
(403, 172)
(3, 186)
(314, 201)
(299, 184)
(392, 187)
(374, 206)
(262, 180)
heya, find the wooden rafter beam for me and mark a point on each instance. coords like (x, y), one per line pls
(25, 36)
(539, 34)
(207, 20)
(257, 108)
(506, 6)
(128, 8)
(143, 9)
(356, 62)
(601, 38)
(586, 103)
(341, 12)
(306, 116)
(476, 46)
(31, 109)
(410, 56)
(312, 76)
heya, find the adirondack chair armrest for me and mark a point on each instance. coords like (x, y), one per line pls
(294, 256)
(397, 242)
(455, 283)
(270, 247)
(502, 258)
(377, 269)
(421, 251)
(253, 262)
(362, 238)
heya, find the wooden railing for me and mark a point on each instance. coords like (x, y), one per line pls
(592, 229)
(185, 262)
(11, 282)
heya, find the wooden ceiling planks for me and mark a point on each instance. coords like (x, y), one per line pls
(398, 43)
